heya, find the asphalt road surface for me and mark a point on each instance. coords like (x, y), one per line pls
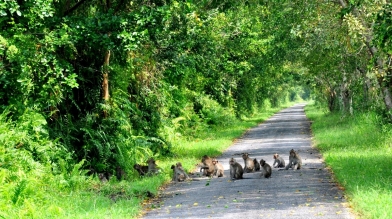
(306, 193)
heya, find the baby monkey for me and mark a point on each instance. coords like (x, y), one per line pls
(279, 162)
(219, 171)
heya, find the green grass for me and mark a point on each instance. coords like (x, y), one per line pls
(358, 149)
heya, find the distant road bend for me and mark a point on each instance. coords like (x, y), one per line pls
(306, 193)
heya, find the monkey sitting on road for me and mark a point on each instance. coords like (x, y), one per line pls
(295, 161)
(179, 174)
(279, 162)
(249, 165)
(257, 165)
(267, 171)
(219, 171)
(236, 170)
(207, 167)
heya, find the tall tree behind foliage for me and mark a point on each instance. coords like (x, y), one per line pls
(346, 51)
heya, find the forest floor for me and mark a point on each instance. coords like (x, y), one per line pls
(306, 193)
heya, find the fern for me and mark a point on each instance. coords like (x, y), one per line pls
(20, 187)
(76, 178)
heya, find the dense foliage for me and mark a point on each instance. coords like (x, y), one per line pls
(347, 53)
(113, 79)
(103, 84)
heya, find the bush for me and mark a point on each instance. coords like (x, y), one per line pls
(212, 112)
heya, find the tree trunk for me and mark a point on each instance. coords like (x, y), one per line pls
(331, 100)
(387, 97)
(105, 80)
(380, 66)
(365, 88)
(345, 95)
(105, 75)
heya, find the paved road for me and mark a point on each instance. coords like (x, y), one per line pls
(306, 193)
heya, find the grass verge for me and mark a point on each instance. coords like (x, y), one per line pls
(358, 151)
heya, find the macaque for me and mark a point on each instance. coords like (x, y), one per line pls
(102, 177)
(257, 165)
(179, 174)
(295, 161)
(219, 171)
(152, 166)
(279, 162)
(266, 169)
(249, 165)
(120, 173)
(207, 167)
(141, 169)
(236, 170)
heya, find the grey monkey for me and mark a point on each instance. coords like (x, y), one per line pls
(179, 173)
(295, 161)
(257, 165)
(279, 162)
(267, 171)
(236, 170)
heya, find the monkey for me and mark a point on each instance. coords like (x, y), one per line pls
(295, 161)
(141, 169)
(278, 161)
(257, 165)
(207, 166)
(266, 169)
(236, 170)
(249, 165)
(120, 173)
(152, 166)
(102, 178)
(179, 174)
(219, 170)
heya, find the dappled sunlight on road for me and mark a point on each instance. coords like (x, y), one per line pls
(305, 193)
